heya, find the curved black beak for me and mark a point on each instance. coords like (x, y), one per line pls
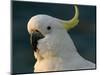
(34, 37)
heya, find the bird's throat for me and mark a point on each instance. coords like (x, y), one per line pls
(45, 55)
(38, 55)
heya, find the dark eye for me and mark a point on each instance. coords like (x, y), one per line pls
(48, 28)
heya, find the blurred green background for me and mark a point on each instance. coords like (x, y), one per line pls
(84, 35)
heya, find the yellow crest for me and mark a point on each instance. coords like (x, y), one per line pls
(73, 22)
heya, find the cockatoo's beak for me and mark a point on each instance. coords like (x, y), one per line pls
(34, 37)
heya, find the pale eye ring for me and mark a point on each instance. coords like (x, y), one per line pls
(48, 28)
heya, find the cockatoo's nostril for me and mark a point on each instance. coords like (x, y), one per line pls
(34, 37)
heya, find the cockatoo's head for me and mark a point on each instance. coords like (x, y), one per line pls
(41, 26)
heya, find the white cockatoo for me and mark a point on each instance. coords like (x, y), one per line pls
(53, 47)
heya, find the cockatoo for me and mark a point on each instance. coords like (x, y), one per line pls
(53, 48)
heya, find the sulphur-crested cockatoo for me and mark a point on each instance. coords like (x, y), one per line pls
(53, 47)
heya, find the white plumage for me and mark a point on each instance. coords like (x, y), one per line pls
(56, 51)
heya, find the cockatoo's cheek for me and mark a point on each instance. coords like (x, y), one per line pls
(46, 47)
(42, 46)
